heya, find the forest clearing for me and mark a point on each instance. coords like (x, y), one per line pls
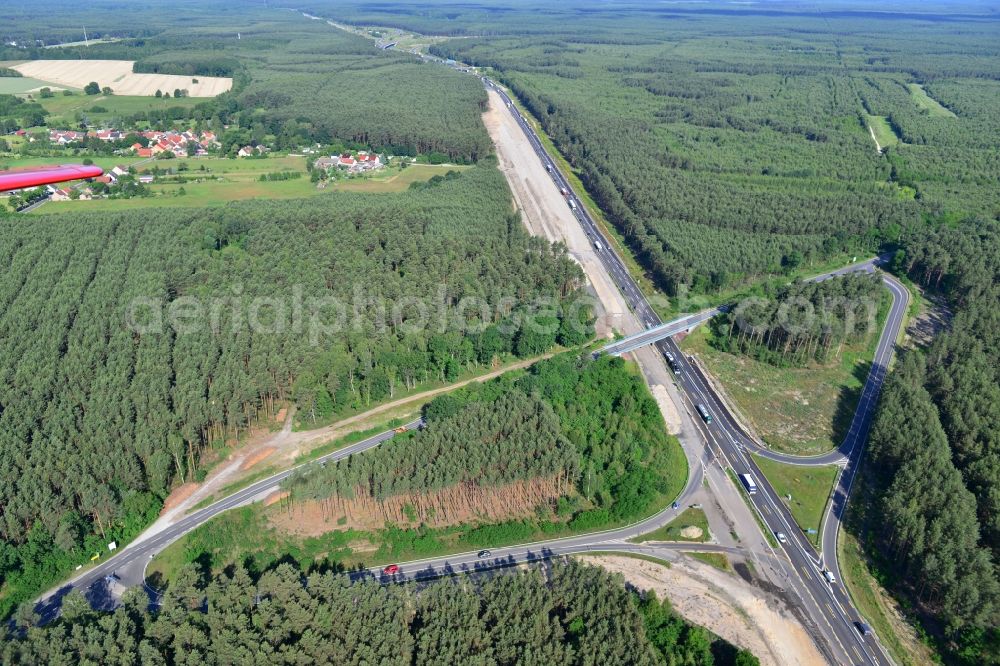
(881, 132)
(800, 410)
(928, 103)
(225, 180)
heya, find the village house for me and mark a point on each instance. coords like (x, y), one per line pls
(178, 143)
(248, 151)
(66, 194)
(327, 163)
(62, 137)
(363, 161)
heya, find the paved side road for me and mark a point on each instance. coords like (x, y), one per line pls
(127, 567)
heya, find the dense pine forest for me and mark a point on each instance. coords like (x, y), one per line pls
(731, 143)
(724, 148)
(131, 343)
(490, 445)
(936, 450)
(587, 432)
(566, 446)
(558, 614)
(726, 145)
(802, 322)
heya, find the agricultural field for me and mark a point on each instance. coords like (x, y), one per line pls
(99, 109)
(21, 84)
(118, 75)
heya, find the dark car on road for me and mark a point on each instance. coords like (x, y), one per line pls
(862, 628)
(483, 554)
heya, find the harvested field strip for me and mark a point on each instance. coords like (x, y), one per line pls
(119, 76)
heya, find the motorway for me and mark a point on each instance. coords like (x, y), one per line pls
(828, 604)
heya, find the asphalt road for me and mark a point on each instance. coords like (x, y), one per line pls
(128, 565)
(658, 333)
(828, 604)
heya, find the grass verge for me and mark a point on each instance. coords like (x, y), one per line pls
(634, 556)
(245, 534)
(799, 410)
(717, 560)
(809, 487)
(672, 531)
(313, 454)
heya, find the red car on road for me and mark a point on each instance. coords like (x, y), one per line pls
(391, 570)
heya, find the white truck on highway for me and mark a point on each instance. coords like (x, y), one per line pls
(572, 204)
(749, 484)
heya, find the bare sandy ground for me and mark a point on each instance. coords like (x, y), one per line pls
(118, 75)
(545, 213)
(724, 604)
(282, 448)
